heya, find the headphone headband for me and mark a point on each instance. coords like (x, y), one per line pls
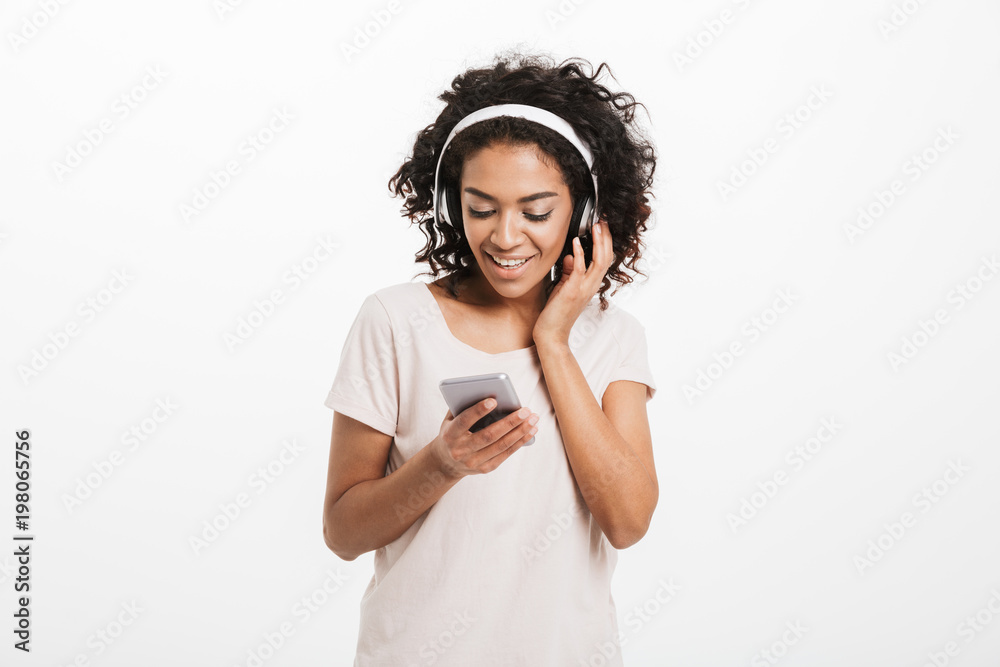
(531, 113)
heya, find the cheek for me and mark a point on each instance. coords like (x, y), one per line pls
(474, 237)
(555, 243)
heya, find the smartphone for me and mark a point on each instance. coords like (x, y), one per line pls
(463, 392)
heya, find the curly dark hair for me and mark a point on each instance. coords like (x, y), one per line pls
(624, 160)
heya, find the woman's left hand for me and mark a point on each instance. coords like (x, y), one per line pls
(576, 288)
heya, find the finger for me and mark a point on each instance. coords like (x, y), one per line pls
(515, 435)
(579, 263)
(602, 250)
(473, 414)
(608, 241)
(607, 250)
(508, 424)
(522, 431)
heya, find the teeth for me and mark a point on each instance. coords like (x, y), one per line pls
(508, 263)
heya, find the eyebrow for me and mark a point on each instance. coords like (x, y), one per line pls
(522, 200)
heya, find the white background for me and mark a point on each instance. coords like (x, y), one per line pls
(896, 75)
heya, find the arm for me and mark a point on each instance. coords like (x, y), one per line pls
(364, 509)
(610, 450)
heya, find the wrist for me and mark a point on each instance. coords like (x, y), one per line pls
(551, 345)
(442, 462)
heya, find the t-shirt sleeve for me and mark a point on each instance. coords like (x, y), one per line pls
(634, 358)
(366, 385)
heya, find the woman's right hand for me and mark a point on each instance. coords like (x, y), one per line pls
(461, 452)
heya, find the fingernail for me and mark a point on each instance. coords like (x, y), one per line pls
(533, 420)
(523, 412)
(491, 403)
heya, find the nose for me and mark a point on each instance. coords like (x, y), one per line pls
(507, 231)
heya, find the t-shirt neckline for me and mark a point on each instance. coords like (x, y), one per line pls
(523, 352)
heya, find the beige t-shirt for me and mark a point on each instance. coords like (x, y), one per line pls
(508, 567)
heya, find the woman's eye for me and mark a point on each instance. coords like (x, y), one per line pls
(530, 216)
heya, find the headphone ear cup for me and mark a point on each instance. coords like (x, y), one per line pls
(581, 220)
(453, 206)
(575, 219)
(574, 228)
(579, 226)
(442, 208)
(586, 216)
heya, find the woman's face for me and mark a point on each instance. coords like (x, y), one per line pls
(514, 206)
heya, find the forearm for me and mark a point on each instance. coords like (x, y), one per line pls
(613, 481)
(373, 513)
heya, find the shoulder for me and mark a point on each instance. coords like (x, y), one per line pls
(622, 323)
(399, 291)
(391, 308)
(393, 298)
(598, 332)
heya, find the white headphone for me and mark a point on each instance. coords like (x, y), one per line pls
(447, 200)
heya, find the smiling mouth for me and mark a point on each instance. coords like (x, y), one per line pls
(509, 265)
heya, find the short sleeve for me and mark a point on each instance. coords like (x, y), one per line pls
(633, 356)
(366, 385)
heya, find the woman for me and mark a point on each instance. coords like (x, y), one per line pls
(487, 553)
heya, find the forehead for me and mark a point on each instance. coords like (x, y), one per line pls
(513, 166)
